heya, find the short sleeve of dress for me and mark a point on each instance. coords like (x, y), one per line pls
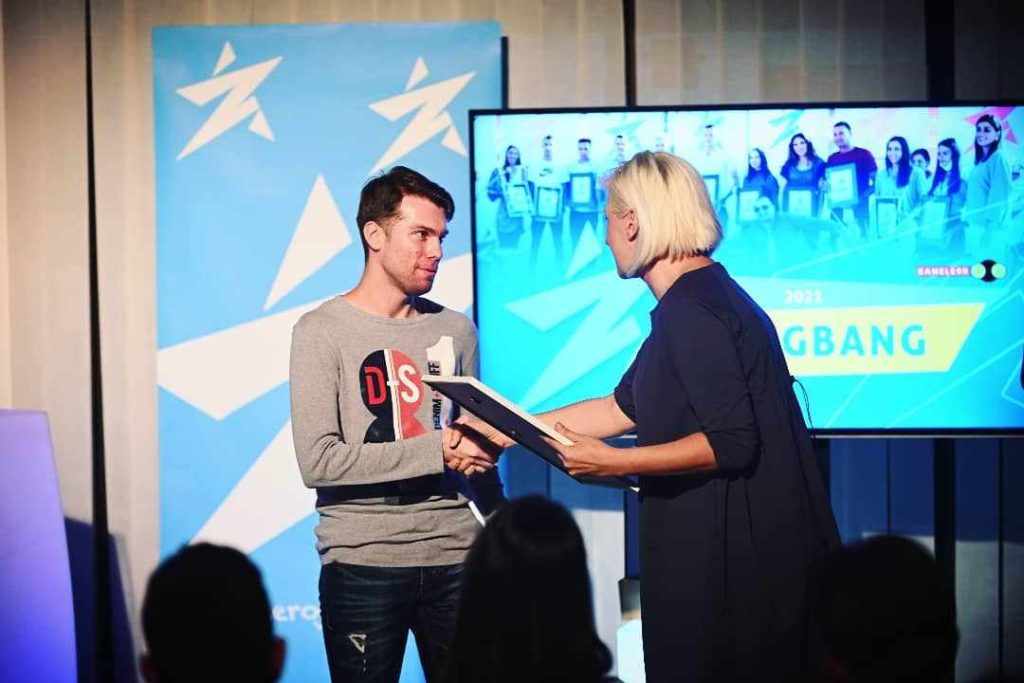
(706, 359)
(624, 389)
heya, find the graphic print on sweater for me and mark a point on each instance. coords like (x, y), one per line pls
(392, 391)
(441, 361)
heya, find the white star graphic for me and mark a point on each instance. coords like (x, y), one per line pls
(431, 120)
(237, 106)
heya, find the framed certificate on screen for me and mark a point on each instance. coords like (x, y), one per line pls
(748, 200)
(582, 188)
(842, 186)
(885, 216)
(548, 202)
(934, 214)
(518, 201)
(800, 202)
(712, 182)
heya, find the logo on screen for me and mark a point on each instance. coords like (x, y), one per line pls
(988, 270)
(389, 382)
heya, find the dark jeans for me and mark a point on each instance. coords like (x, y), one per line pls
(367, 613)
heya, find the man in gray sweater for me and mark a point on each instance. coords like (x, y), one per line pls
(400, 490)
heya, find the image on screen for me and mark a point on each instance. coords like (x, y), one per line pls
(886, 243)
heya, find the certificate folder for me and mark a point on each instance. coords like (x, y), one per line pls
(512, 421)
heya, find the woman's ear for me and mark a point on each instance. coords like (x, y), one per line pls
(632, 226)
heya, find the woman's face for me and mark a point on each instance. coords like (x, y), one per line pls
(617, 238)
(893, 152)
(755, 161)
(944, 155)
(919, 161)
(512, 156)
(985, 134)
(800, 147)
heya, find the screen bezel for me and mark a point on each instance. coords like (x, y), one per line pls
(864, 433)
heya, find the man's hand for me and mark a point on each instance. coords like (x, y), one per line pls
(466, 451)
(587, 455)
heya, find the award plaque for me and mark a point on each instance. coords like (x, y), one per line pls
(548, 202)
(712, 183)
(582, 188)
(748, 200)
(800, 202)
(518, 201)
(886, 216)
(514, 422)
(842, 186)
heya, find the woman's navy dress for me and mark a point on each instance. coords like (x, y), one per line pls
(726, 557)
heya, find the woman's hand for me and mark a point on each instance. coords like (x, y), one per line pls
(587, 455)
(468, 424)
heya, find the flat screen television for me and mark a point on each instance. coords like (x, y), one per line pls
(886, 242)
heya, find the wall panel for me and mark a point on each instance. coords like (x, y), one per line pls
(47, 231)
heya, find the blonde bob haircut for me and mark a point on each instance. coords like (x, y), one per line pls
(672, 207)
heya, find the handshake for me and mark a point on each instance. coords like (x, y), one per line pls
(472, 446)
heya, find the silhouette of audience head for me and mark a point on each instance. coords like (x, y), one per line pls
(525, 612)
(206, 617)
(885, 614)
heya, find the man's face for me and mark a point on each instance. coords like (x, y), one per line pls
(549, 148)
(620, 147)
(584, 151)
(412, 245)
(764, 210)
(709, 136)
(841, 137)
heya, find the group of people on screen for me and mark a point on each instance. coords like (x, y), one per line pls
(547, 192)
(925, 197)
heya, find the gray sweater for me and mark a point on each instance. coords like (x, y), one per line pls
(368, 434)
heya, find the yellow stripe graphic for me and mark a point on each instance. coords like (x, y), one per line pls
(874, 340)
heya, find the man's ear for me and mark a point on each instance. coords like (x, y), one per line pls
(375, 235)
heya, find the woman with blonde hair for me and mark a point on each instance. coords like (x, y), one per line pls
(734, 516)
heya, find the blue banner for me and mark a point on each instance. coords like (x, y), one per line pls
(264, 137)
